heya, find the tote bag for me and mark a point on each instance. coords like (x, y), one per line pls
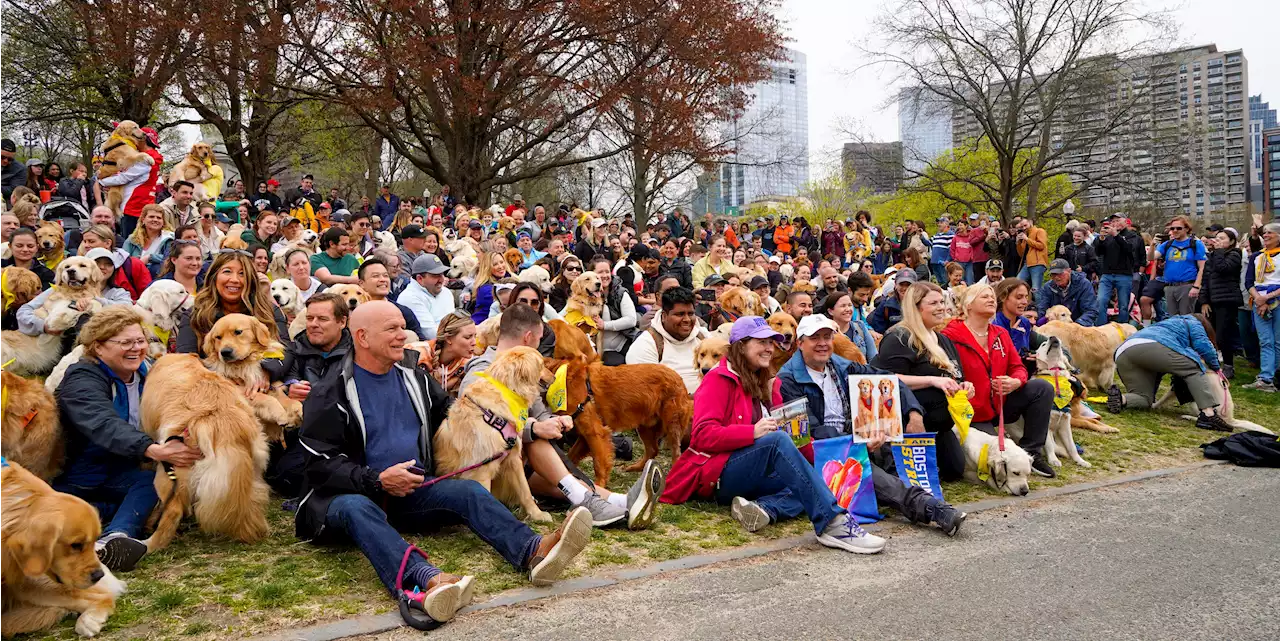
(846, 470)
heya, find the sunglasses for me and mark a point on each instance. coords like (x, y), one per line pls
(1176, 228)
(236, 251)
(573, 268)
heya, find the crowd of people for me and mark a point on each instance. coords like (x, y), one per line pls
(956, 310)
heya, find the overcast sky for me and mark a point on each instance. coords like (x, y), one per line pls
(828, 31)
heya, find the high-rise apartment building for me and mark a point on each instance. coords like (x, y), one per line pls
(924, 128)
(1271, 173)
(875, 165)
(771, 143)
(1261, 118)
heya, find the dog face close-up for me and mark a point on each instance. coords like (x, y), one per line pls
(285, 293)
(237, 337)
(709, 353)
(58, 542)
(352, 294)
(1058, 313)
(588, 284)
(783, 323)
(886, 389)
(49, 237)
(1010, 470)
(78, 273)
(519, 368)
(201, 150)
(865, 387)
(21, 284)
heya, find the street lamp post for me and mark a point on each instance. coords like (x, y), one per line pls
(591, 196)
(1068, 208)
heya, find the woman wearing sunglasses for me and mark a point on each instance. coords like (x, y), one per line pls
(570, 268)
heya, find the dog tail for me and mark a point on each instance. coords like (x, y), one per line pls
(231, 497)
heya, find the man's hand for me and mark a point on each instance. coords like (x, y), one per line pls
(878, 440)
(299, 391)
(764, 426)
(397, 480)
(175, 453)
(915, 423)
(550, 429)
(1005, 384)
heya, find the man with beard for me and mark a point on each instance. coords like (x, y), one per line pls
(672, 338)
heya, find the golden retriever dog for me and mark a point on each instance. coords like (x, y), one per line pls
(738, 302)
(585, 304)
(194, 168)
(1092, 349)
(513, 258)
(865, 415)
(1058, 313)
(31, 433)
(165, 301)
(50, 567)
(464, 266)
(38, 355)
(52, 248)
(234, 349)
(21, 286)
(288, 297)
(354, 295)
(1007, 471)
(650, 399)
(120, 152)
(709, 353)
(886, 412)
(1052, 365)
(481, 425)
(784, 324)
(234, 241)
(77, 279)
(538, 275)
(225, 490)
(571, 342)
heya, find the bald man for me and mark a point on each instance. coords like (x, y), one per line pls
(368, 432)
(831, 283)
(101, 215)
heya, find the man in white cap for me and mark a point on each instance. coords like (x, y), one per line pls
(815, 373)
(426, 295)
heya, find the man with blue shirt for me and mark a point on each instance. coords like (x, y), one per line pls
(368, 433)
(524, 244)
(1184, 256)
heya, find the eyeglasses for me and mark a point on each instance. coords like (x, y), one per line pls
(1176, 228)
(129, 344)
(573, 268)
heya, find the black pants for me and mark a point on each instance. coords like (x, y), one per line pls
(1226, 326)
(1031, 402)
(909, 500)
(949, 451)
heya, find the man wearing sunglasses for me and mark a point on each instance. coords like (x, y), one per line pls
(13, 174)
(1183, 256)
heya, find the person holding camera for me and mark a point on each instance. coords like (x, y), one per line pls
(1033, 248)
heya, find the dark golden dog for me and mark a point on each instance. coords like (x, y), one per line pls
(31, 433)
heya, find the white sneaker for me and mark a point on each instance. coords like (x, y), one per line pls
(843, 532)
(749, 514)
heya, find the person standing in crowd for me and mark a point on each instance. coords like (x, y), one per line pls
(130, 274)
(1181, 346)
(1184, 257)
(1116, 266)
(492, 268)
(940, 249)
(594, 239)
(1222, 295)
(860, 289)
(1034, 249)
(386, 206)
(1263, 283)
(962, 249)
(184, 264)
(139, 182)
(1071, 290)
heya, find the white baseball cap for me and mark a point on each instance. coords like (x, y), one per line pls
(814, 323)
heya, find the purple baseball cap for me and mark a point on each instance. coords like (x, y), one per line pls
(753, 327)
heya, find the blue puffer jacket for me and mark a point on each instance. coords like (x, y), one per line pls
(796, 383)
(1184, 335)
(1078, 297)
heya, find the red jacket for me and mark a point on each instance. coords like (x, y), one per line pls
(145, 193)
(722, 424)
(980, 367)
(132, 277)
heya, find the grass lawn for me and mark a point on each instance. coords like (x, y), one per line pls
(205, 588)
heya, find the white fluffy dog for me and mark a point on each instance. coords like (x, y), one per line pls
(464, 267)
(537, 275)
(165, 301)
(309, 240)
(1060, 441)
(1008, 471)
(385, 240)
(288, 297)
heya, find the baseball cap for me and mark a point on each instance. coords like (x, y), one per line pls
(35, 162)
(475, 224)
(905, 276)
(753, 327)
(973, 216)
(942, 218)
(757, 282)
(7, 145)
(598, 222)
(224, 218)
(289, 220)
(326, 205)
(517, 197)
(1215, 228)
(413, 231)
(995, 263)
(1058, 266)
(340, 215)
(713, 280)
(152, 135)
(814, 323)
(273, 183)
(524, 233)
(775, 259)
(427, 264)
(99, 252)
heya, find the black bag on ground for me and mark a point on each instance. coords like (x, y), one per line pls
(1247, 449)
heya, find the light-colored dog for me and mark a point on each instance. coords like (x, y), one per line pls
(887, 411)
(1092, 349)
(586, 302)
(288, 297)
(1058, 313)
(38, 355)
(385, 240)
(1007, 471)
(708, 354)
(1052, 364)
(165, 301)
(538, 275)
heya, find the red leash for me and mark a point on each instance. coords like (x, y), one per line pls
(1000, 432)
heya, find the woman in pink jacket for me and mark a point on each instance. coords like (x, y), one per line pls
(737, 456)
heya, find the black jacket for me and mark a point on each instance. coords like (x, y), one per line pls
(681, 269)
(1081, 256)
(1221, 280)
(304, 362)
(97, 438)
(333, 433)
(898, 356)
(37, 267)
(585, 250)
(1115, 254)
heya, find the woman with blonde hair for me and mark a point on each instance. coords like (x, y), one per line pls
(453, 346)
(150, 240)
(916, 347)
(231, 286)
(492, 268)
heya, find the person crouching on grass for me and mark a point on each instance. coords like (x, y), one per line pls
(368, 432)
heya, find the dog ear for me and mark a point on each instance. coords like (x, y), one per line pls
(33, 545)
(262, 335)
(208, 346)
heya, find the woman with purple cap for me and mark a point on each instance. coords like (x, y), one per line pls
(738, 457)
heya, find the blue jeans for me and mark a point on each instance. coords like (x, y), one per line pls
(774, 474)
(126, 498)
(448, 502)
(939, 273)
(968, 274)
(1269, 350)
(1034, 274)
(1122, 284)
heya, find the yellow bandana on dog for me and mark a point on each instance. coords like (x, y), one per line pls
(4, 289)
(558, 391)
(961, 413)
(578, 319)
(983, 471)
(1062, 393)
(516, 404)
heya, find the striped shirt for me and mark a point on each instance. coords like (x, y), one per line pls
(941, 250)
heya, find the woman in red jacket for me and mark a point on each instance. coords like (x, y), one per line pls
(737, 455)
(991, 363)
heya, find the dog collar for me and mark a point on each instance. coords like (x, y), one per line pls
(984, 472)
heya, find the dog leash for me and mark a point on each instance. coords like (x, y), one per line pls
(1000, 432)
(502, 425)
(411, 602)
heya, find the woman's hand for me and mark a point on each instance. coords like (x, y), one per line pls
(765, 426)
(968, 388)
(1005, 384)
(175, 453)
(948, 385)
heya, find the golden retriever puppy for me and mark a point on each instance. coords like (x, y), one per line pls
(224, 489)
(709, 353)
(52, 247)
(481, 425)
(120, 152)
(585, 304)
(1092, 349)
(1058, 313)
(194, 168)
(234, 349)
(31, 433)
(21, 286)
(38, 355)
(50, 567)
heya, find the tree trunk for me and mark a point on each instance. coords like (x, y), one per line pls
(639, 187)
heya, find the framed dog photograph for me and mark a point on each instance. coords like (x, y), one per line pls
(877, 408)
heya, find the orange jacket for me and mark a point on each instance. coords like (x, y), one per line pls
(782, 238)
(1034, 249)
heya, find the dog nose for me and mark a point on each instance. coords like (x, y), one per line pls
(1025, 491)
(227, 353)
(96, 575)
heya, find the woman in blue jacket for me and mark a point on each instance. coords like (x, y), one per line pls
(1181, 346)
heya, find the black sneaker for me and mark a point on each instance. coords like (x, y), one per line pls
(1229, 372)
(1115, 400)
(120, 553)
(947, 518)
(1215, 423)
(1041, 467)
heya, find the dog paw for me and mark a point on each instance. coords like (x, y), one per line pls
(90, 623)
(110, 583)
(1055, 461)
(539, 516)
(1084, 463)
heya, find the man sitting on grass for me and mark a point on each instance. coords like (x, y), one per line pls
(369, 432)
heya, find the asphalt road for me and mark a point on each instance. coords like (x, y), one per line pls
(1193, 556)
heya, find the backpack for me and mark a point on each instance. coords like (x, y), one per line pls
(1246, 449)
(658, 342)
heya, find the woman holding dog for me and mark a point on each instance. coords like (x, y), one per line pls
(737, 456)
(1002, 390)
(149, 242)
(1181, 346)
(99, 403)
(619, 318)
(232, 287)
(570, 268)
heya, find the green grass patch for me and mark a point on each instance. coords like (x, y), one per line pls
(203, 587)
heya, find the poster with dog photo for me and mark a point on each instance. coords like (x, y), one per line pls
(877, 408)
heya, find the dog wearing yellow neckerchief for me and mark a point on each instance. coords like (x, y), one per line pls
(195, 169)
(488, 419)
(120, 152)
(1053, 366)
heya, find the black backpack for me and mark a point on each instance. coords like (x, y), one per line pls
(1246, 449)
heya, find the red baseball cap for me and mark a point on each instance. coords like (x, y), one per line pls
(273, 182)
(152, 135)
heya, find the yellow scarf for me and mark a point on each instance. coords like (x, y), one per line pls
(4, 289)
(1267, 260)
(1062, 393)
(516, 404)
(128, 141)
(961, 413)
(984, 472)
(578, 319)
